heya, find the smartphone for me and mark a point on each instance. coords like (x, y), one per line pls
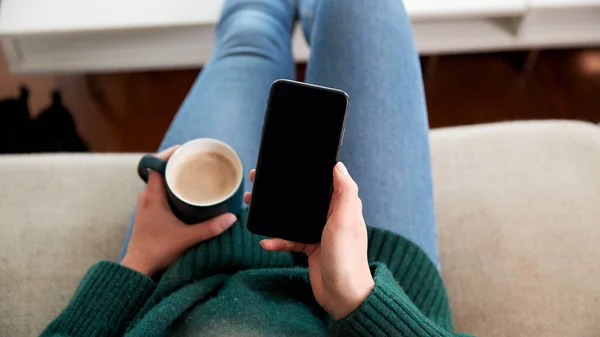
(302, 135)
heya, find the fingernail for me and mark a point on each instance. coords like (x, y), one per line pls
(231, 219)
(342, 168)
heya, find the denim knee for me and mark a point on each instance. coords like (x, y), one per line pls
(255, 27)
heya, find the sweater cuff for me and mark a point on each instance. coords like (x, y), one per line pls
(107, 298)
(387, 311)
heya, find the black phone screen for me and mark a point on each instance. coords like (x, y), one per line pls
(302, 133)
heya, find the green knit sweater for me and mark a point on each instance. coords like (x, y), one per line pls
(230, 286)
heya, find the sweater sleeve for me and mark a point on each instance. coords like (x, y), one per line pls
(387, 311)
(106, 300)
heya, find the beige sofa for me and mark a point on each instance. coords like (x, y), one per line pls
(517, 206)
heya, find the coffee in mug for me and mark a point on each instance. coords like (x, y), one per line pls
(204, 178)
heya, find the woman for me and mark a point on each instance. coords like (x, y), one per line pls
(217, 280)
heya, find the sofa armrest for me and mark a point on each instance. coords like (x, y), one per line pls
(59, 215)
(518, 212)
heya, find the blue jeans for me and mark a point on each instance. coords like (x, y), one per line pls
(363, 47)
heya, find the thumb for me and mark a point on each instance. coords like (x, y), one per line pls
(345, 191)
(208, 229)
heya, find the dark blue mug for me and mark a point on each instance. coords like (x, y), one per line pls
(190, 211)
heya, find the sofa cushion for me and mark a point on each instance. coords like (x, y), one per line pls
(518, 214)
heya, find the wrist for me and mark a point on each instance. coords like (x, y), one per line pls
(352, 298)
(137, 265)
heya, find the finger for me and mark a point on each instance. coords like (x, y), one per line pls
(208, 229)
(331, 203)
(155, 188)
(252, 174)
(346, 199)
(247, 197)
(166, 154)
(280, 245)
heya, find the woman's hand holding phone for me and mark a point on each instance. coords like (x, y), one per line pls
(339, 269)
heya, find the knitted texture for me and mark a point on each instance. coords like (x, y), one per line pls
(107, 298)
(229, 286)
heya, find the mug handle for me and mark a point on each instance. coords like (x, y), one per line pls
(150, 162)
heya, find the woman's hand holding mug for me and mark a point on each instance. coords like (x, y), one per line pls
(158, 236)
(339, 269)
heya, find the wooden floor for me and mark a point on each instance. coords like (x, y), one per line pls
(489, 88)
(130, 112)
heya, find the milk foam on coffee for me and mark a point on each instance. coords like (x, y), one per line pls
(204, 177)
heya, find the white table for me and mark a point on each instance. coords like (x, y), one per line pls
(93, 36)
